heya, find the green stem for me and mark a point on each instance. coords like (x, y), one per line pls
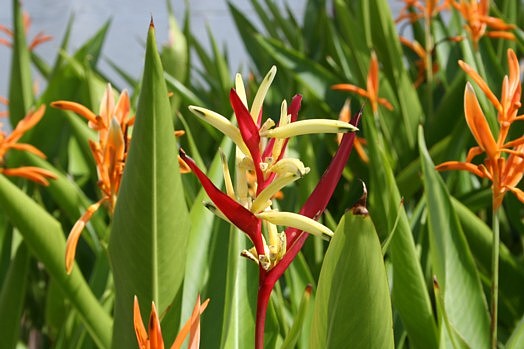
(495, 278)
(429, 66)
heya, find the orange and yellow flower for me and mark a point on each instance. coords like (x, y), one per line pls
(152, 339)
(504, 162)
(476, 14)
(372, 87)
(110, 152)
(8, 142)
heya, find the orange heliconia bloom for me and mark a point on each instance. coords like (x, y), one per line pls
(476, 14)
(39, 39)
(372, 87)
(423, 59)
(414, 10)
(504, 171)
(359, 142)
(152, 339)
(110, 152)
(10, 141)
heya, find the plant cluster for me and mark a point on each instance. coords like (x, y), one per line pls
(229, 211)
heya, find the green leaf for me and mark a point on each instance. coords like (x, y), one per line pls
(238, 328)
(45, 239)
(352, 306)
(12, 297)
(516, 340)
(21, 84)
(409, 294)
(148, 239)
(452, 262)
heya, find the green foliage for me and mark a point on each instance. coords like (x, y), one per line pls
(415, 273)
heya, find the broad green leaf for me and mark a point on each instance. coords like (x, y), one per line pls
(451, 260)
(12, 297)
(147, 246)
(238, 328)
(45, 239)
(352, 305)
(20, 82)
(516, 340)
(409, 293)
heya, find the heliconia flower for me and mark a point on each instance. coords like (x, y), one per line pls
(504, 172)
(476, 14)
(10, 141)
(39, 39)
(152, 338)
(261, 148)
(262, 169)
(110, 152)
(372, 87)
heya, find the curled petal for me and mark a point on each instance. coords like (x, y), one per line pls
(310, 126)
(457, 165)
(155, 332)
(477, 123)
(296, 221)
(35, 174)
(27, 123)
(74, 235)
(77, 108)
(256, 107)
(191, 327)
(222, 124)
(140, 330)
(481, 83)
(263, 198)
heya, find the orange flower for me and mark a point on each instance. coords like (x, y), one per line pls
(39, 39)
(423, 59)
(5, 102)
(10, 141)
(476, 14)
(504, 172)
(155, 341)
(372, 87)
(359, 142)
(110, 152)
(414, 10)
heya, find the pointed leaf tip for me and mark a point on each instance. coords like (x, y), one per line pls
(151, 23)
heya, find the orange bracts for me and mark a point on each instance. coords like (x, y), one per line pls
(39, 39)
(414, 10)
(152, 339)
(504, 162)
(10, 141)
(372, 87)
(112, 124)
(422, 62)
(359, 142)
(476, 14)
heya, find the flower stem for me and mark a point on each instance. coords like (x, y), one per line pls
(495, 278)
(264, 291)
